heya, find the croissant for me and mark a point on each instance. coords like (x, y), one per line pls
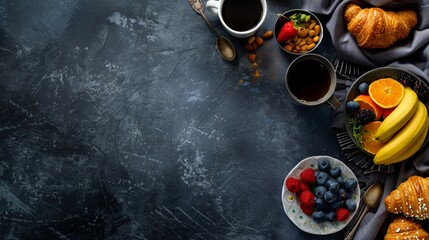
(405, 228)
(376, 28)
(410, 198)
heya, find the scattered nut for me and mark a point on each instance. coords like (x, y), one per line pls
(268, 34)
(252, 57)
(249, 47)
(251, 40)
(259, 41)
(255, 45)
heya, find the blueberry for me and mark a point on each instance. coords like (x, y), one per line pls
(319, 191)
(340, 181)
(318, 216)
(337, 204)
(342, 194)
(350, 204)
(329, 182)
(335, 172)
(330, 216)
(330, 197)
(363, 88)
(319, 204)
(334, 186)
(321, 178)
(350, 184)
(324, 165)
(352, 106)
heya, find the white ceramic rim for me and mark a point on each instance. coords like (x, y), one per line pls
(243, 34)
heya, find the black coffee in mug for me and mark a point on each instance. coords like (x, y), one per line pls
(241, 15)
(309, 80)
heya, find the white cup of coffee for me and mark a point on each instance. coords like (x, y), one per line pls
(240, 18)
(311, 80)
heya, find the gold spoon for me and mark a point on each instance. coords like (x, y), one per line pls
(371, 199)
(224, 46)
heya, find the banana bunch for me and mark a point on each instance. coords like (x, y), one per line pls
(404, 130)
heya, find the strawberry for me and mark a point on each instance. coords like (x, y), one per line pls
(307, 209)
(306, 198)
(303, 186)
(292, 184)
(308, 175)
(287, 32)
(342, 214)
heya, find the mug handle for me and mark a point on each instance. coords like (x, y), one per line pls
(213, 6)
(333, 102)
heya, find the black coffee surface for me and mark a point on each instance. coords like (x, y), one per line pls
(309, 80)
(241, 15)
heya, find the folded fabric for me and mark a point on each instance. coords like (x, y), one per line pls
(411, 54)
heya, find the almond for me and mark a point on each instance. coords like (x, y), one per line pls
(267, 34)
(252, 57)
(259, 41)
(249, 47)
(251, 40)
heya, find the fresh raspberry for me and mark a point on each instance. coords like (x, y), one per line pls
(292, 184)
(342, 214)
(307, 209)
(306, 198)
(308, 176)
(287, 32)
(303, 186)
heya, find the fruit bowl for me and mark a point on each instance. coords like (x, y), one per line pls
(398, 74)
(311, 42)
(291, 202)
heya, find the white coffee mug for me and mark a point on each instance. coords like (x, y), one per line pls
(241, 19)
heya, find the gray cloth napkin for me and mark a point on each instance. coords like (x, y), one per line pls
(411, 54)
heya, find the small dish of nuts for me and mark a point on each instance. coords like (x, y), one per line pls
(298, 31)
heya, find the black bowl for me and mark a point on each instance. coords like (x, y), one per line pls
(398, 74)
(281, 21)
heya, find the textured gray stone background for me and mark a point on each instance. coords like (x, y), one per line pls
(119, 120)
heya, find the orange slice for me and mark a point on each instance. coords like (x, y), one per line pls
(369, 141)
(365, 102)
(386, 92)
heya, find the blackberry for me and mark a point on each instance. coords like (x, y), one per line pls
(406, 79)
(364, 116)
(421, 90)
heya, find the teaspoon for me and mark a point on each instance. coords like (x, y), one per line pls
(224, 46)
(371, 199)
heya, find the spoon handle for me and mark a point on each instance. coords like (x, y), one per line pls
(197, 6)
(352, 232)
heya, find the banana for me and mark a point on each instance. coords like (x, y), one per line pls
(399, 143)
(399, 117)
(412, 149)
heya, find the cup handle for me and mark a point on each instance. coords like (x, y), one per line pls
(213, 6)
(333, 102)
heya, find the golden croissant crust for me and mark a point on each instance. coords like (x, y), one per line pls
(410, 198)
(376, 28)
(405, 228)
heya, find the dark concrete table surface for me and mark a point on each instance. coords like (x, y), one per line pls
(119, 120)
